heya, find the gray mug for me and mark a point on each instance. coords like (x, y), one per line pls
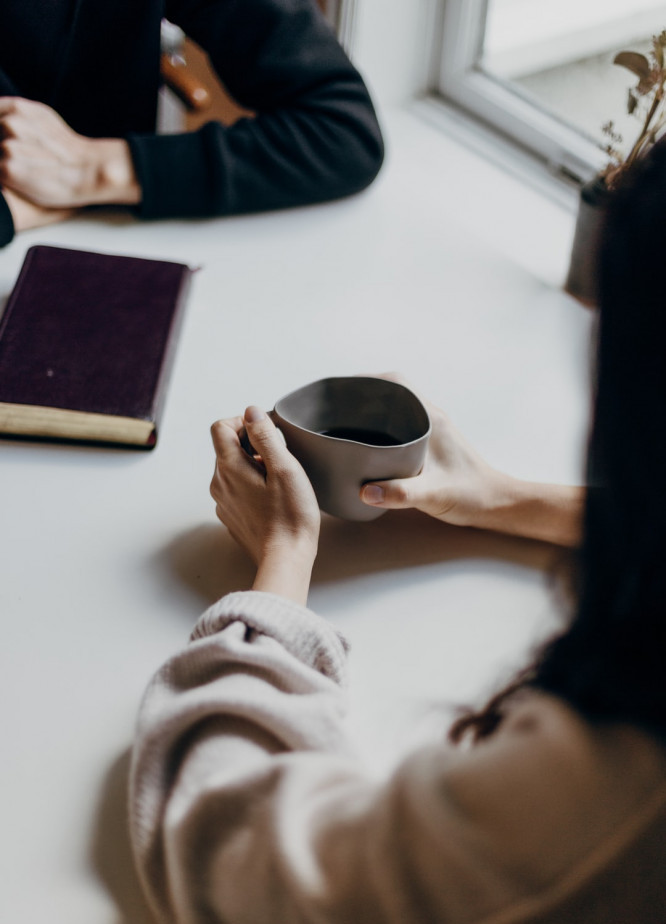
(350, 430)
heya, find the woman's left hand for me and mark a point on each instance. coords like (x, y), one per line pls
(267, 503)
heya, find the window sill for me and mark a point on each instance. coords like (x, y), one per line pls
(502, 195)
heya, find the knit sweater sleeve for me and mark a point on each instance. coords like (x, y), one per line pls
(261, 679)
(6, 223)
(315, 135)
(247, 803)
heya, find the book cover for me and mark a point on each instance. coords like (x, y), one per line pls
(87, 341)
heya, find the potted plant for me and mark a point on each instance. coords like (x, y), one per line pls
(646, 102)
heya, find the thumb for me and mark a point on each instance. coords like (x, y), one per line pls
(264, 436)
(393, 494)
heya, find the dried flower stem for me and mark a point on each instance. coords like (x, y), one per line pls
(651, 82)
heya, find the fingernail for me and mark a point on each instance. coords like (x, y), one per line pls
(372, 494)
(254, 414)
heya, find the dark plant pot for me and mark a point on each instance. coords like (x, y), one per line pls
(583, 277)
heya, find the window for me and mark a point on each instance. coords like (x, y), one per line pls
(541, 71)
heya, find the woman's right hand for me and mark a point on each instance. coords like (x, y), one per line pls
(457, 486)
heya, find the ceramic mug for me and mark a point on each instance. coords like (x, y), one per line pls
(347, 431)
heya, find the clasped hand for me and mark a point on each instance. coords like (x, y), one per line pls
(47, 169)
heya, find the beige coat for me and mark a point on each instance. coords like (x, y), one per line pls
(248, 804)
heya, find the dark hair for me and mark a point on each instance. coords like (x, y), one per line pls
(610, 664)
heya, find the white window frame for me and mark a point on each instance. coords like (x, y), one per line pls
(498, 103)
(345, 21)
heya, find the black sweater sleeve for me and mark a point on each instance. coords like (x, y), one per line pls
(6, 222)
(315, 134)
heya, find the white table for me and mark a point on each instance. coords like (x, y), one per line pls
(445, 270)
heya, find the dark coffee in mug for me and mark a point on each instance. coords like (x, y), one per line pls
(362, 435)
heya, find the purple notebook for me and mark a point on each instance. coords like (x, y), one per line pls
(87, 341)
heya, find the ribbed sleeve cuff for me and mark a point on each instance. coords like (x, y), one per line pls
(175, 175)
(301, 632)
(6, 223)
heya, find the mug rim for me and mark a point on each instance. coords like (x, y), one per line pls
(337, 439)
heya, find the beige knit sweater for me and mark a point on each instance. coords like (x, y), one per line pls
(248, 804)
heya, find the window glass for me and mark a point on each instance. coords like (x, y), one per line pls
(559, 54)
(541, 72)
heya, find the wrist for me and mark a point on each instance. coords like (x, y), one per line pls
(482, 502)
(499, 501)
(114, 177)
(546, 512)
(286, 571)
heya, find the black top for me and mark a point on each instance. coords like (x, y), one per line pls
(315, 136)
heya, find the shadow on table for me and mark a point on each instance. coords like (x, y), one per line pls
(208, 562)
(110, 848)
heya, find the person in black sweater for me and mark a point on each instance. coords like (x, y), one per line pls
(79, 83)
